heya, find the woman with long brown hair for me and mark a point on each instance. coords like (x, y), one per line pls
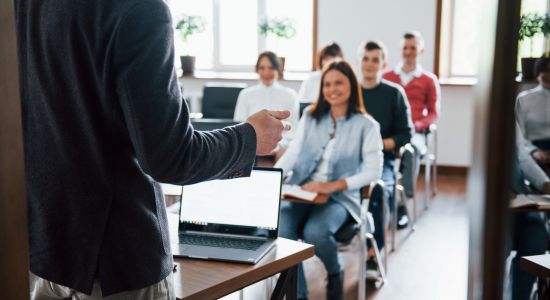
(337, 149)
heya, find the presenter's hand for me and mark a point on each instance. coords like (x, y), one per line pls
(269, 127)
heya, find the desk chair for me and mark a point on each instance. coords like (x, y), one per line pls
(219, 99)
(365, 229)
(302, 106)
(399, 192)
(430, 166)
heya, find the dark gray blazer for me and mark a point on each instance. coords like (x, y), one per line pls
(103, 122)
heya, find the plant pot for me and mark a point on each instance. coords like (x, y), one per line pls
(281, 66)
(187, 64)
(528, 68)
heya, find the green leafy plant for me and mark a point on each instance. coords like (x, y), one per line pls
(546, 32)
(189, 25)
(532, 24)
(278, 27)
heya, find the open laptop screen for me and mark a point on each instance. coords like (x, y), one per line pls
(244, 205)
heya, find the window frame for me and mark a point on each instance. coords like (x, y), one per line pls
(218, 66)
(444, 41)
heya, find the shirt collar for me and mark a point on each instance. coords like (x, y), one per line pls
(274, 84)
(417, 72)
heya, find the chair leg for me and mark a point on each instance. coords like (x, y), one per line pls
(434, 175)
(427, 178)
(381, 267)
(361, 286)
(403, 197)
(414, 208)
(393, 218)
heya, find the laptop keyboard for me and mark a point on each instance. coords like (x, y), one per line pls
(220, 242)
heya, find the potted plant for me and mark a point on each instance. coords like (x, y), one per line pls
(531, 24)
(546, 32)
(279, 28)
(188, 25)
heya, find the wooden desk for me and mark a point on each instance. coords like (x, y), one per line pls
(201, 279)
(538, 265)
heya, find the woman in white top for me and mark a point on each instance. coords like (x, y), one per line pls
(268, 94)
(309, 90)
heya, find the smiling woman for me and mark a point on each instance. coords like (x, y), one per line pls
(337, 149)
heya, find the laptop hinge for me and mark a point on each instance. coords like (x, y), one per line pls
(229, 235)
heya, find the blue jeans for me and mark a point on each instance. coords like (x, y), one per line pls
(316, 225)
(529, 238)
(376, 207)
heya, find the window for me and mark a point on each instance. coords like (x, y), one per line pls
(231, 41)
(460, 21)
(536, 49)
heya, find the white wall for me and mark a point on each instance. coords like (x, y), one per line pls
(351, 22)
(455, 126)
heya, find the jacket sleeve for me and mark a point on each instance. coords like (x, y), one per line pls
(371, 160)
(432, 104)
(529, 167)
(402, 127)
(520, 117)
(166, 146)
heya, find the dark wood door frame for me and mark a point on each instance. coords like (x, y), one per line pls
(489, 178)
(14, 276)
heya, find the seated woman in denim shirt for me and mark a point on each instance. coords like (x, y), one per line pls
(337, 150)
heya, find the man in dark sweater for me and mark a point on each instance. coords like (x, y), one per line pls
(104, 121)
(386, 103)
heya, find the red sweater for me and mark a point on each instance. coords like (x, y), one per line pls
(424, 95)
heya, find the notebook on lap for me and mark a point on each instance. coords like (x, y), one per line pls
(230, 220)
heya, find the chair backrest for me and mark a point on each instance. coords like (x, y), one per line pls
(345, 234)
(211, 124)
(302, 106)
(219, 99)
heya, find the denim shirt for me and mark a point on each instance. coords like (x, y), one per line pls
(356, 156)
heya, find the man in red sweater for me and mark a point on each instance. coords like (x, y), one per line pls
(421, 86)
(422, 89)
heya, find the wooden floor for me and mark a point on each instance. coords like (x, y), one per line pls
(429, 263)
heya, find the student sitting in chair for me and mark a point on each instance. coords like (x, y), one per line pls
(268, 94)
(387, 103)
(529, 235)
(337, 149)
(424, 95)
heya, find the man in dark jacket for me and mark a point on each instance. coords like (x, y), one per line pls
(104, 122)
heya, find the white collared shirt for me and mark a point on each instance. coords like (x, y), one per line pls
(272, 97)
(407, 77)
(309, 90)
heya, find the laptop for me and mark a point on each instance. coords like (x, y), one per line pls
(233, 220)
